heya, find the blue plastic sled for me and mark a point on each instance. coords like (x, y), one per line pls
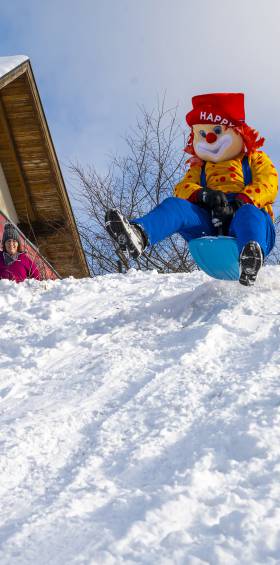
(216, 256)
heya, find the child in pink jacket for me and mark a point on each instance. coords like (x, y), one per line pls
(15, 265)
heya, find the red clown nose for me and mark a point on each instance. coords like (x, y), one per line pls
(211, 137)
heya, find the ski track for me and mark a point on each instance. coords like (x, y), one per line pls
(140, 421)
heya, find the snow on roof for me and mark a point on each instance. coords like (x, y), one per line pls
(7, 64)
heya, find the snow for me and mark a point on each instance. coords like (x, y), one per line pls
(140, 421)
(7, 64)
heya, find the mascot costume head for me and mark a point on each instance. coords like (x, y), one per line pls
(218, 128)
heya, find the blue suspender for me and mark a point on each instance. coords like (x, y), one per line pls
(203, 176)
(246, 169)
(247, 173)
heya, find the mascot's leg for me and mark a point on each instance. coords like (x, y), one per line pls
(176, 215)
(255, 235)
(173, 215)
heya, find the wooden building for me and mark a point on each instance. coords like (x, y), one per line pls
(32, 190)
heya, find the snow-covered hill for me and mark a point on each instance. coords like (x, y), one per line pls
(140, 421)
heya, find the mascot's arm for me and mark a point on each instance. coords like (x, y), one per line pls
(264, 187)
(189, 185)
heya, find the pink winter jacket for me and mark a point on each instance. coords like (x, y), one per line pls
(22, 268)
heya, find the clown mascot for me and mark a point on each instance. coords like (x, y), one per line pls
(229, 189)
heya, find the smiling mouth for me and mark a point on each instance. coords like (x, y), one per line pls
(215, 151)
(225, 142)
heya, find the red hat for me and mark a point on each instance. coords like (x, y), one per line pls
(224, 108)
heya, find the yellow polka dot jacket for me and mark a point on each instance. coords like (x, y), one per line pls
(228, 177)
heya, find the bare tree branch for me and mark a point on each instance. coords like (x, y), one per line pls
(135, 184)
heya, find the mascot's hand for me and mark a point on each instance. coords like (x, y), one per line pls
(212, 199)
(223, 214)
(217, 203)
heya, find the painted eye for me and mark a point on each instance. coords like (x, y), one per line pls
(202, 133)
(218, 130)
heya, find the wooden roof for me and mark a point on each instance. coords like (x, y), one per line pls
(33, 174)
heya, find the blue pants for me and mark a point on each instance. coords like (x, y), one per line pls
(175, 215)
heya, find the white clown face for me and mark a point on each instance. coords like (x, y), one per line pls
(216, 143)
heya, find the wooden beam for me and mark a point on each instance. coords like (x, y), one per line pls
(6, 128)
(12, 75)
(59, 181)
(42, 229)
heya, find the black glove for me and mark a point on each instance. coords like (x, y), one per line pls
(223, 214)
(212, 198)
(222, 210)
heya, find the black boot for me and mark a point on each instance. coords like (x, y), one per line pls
(130, 237)
(251, 260)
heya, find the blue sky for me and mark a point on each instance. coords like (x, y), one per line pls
(95, 62)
